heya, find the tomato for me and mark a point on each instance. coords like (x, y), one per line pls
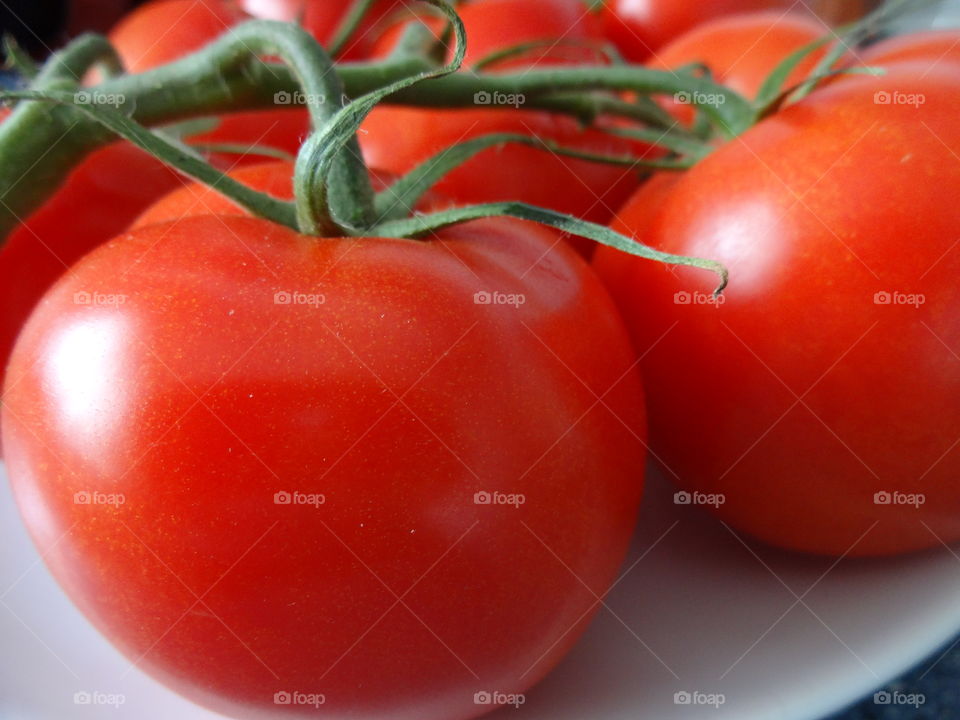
(322, 18)
(272, 178)
(640, 28)
(567, 31)
(933, 46)
(97, 201)
(820, 394)
(189, 25)
(742, 50)
(276, 467)
(579, 187)
(161, 31)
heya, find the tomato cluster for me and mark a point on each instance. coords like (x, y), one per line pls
(391, 476)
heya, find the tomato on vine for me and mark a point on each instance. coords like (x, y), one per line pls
(641, 27)
(821, 387)
(580, 187)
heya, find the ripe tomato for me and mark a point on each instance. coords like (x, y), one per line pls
(342, 468)
(932, 47)
(273, 178)
(819, 394)
(98, 200)
(493, 25)
(322, 18)
(742, 50)
(590, 190)
(189, 25)
(640, 28)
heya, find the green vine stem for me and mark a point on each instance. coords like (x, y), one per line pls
(400, 198)
(422, 225)
(41, 144)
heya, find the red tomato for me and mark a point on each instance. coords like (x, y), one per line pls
(161, 31)
(323, 17)
(98, 200)
(273, 178)
(640, 27)
(742, 50)
(275, 464)
(819, 395)
(560, 24)
(933, 47)
(189, 25)
(579, 187)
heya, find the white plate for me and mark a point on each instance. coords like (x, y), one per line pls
(781, 637)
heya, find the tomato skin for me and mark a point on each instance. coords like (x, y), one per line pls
(802, 318)
(590, 190)
(75, 220)
(639, 28)
(742, 50)
(513, 172)
(323, 18)
(564, 21)
(295, 398)
(186, 26)
(932, 46)
(191, 25)
(273, 178)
